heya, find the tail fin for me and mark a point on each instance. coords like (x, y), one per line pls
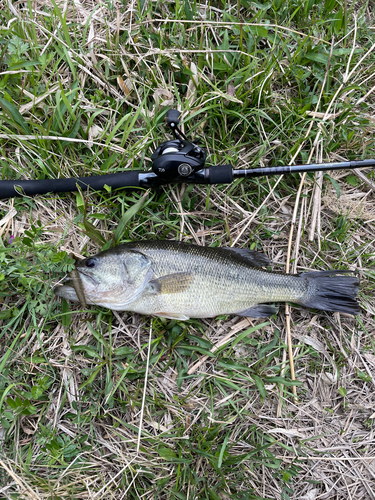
(330, 292)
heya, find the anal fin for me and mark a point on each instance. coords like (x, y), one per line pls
(259, 311)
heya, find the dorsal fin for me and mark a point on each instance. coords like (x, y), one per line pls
(253, 257)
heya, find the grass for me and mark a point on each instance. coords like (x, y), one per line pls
(96, 404)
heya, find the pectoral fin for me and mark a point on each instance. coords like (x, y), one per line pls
(171, 283)
(258, 311)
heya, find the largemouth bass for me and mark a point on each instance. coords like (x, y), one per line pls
(180, 281)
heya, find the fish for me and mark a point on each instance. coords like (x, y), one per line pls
(178, 280)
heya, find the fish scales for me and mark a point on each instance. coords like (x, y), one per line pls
(223, 283)
(178, 280)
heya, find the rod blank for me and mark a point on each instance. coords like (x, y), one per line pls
(291, 169)
(219, 174)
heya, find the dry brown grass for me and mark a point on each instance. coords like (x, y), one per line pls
(126, 426)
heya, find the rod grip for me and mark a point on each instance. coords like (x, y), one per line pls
(220, 174)
(9, 189)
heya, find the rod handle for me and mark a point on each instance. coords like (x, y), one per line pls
(9, 189)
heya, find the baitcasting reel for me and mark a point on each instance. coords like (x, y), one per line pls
(180, 157)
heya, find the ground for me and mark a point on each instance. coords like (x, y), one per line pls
(98, 404)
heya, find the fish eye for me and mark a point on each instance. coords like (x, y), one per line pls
(90, 262)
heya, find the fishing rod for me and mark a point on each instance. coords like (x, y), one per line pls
(175, 161)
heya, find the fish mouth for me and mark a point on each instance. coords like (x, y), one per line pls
(88, 278)
(66, 292)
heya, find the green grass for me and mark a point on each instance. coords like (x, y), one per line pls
(91, 406)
